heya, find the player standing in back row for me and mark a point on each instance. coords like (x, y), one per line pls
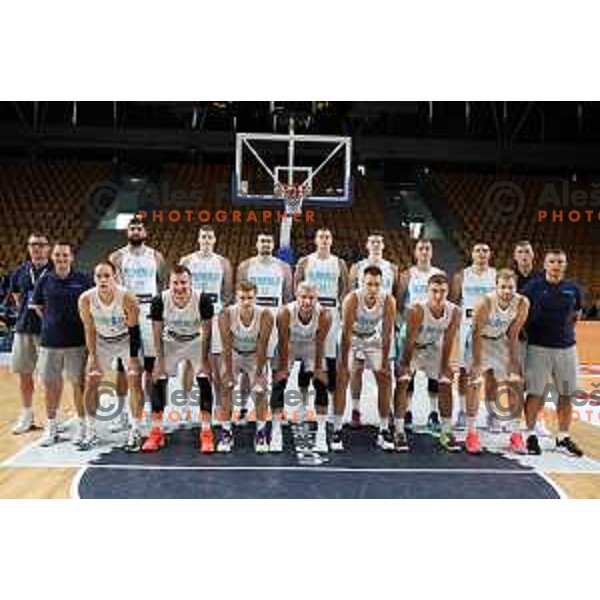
(330, 274)
(389, 285)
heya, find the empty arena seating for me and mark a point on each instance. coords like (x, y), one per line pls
(44, 197)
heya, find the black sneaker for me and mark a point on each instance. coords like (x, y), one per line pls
(400, 442)
(434, 427)
(385, 440)
(337, 444)
(408, 422)
(133, 443)
(568, 446)
(533, 445)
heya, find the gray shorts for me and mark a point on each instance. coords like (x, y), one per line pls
(53, 361)
(24, 353)
(556, 366)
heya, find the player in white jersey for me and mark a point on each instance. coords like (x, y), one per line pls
(303, 326)
(412, 288)
(110, 317)
(389, 285)
(330, 274)
(432, 325)
(468, 286)
(212, 274)
(245, 332)
(368, 318)
(181, 323)
(495, 354)
(141, 271)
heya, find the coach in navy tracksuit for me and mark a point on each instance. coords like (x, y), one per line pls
(62, 346)
(551, 355)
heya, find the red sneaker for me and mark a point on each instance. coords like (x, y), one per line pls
(517, 445)
(355, 423)
(155, 441)
(207, 441)
(473, 443)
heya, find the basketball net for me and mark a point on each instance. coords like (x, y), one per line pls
(293, 197)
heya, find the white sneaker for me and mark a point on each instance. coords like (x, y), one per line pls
(90, 440)
(321, 441)
(24, 423)
(276, 444)
(79, 436)
(50, 436)
(120, 423)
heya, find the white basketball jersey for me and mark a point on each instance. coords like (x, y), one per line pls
(110, 320)
(499, 319)
(303, 333)
(245, 339)
(207, 276)
(475, 285)
(432, 330)
(181, 324)
(417, 284)
(368, 325)
(387, 280)
(268, 275)
(325, 274)
(139, 272)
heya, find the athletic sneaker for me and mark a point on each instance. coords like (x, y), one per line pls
(90, 440)
(225, 441)
(449, 442)
(337, 444)
(79, 436)
(50, 436)
(568, 446)
(533, 445)
(321, 441)
(207, 441)
(400, 442)
(461, 421)
(134, 442)
(473, 443)
(24, 423)
(408, 422)
(261, 443)
(155, 441)
(517, 445)
(120, 423)
(355, 422)
(276, 444)
(385, 440)
(434, 427)
(243, 418)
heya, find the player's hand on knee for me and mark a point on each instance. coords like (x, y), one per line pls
(385, 372)
(321, 375)
(205, 370)
(134, 366)
(403, 372)
(93, 368)
(475, 374)
(159, 369)
(280, 374)
(226, 380)
(446, 375)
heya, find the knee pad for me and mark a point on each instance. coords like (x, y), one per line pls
(331, 374)
(411, 384)
(304, 377)
(206, 394)
(159, 395)
(433, 386)
(149, 363)
(322, 398)
(120, 366)
(277, 394)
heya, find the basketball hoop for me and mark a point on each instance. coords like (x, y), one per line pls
(292, 196)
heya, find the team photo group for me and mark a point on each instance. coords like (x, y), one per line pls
(501, 334)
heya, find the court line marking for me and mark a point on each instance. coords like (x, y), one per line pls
(74, 487)
(555, 486)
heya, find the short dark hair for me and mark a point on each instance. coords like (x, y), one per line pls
(63, 243)
(373, 270)
(38, 234)
(179, 270)
(439, 279)
(246, 286)
(107, 263)
(265, 233)
(136, 221)
(555, 251)
(206, 228)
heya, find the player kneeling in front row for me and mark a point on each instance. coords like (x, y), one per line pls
(367, 325)
(432, 326)
(497, 321)
(110, 317)
(181, 322)
(303, 327)
(245, 332)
